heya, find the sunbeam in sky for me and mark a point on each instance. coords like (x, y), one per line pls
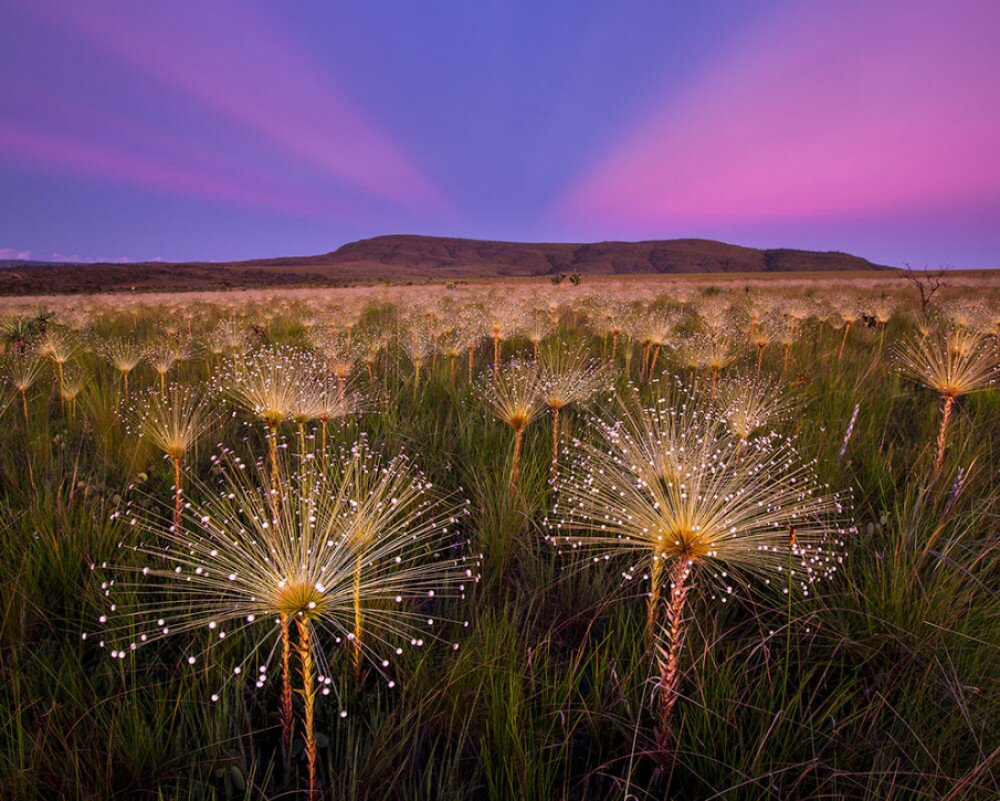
(238, 129)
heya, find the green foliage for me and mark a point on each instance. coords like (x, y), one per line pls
(883, 685)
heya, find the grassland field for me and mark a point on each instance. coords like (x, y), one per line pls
(547, 673)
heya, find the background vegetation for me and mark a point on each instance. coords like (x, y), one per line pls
(883, 685)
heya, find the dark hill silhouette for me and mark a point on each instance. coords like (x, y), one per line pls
(412, 257)
(477, 257)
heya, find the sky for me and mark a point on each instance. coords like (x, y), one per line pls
(232, 129)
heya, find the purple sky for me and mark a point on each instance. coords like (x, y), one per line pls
(223, 129)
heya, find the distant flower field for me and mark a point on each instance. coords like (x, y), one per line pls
(594, 540)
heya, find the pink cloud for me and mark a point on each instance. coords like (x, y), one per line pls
(61, 152)
(77, 259)
(833, 109)
(13, 253)
(238, 63)
(191, 169)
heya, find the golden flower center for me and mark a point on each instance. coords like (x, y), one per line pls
(518, 420)
(684, 543)
(295, 598)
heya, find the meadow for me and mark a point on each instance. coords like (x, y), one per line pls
(622, 540)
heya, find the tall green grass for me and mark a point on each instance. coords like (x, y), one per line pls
(884, 685)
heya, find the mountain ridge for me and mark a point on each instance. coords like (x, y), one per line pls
(401, 257)
(609, 257)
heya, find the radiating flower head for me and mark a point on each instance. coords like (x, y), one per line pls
(173, 421)
(953, 364)
(246, 560)
(568, 375)
(274, 384)
(748, 404)
(671, 481)
(122, 354)
(514, 396)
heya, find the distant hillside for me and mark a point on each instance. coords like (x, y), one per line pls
(476, 257)
(7, 263)
(411, 257)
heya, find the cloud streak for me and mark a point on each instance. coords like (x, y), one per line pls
(830, 110)
(61, 153)
(240, 65)
(14, 253)
(107, 145)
